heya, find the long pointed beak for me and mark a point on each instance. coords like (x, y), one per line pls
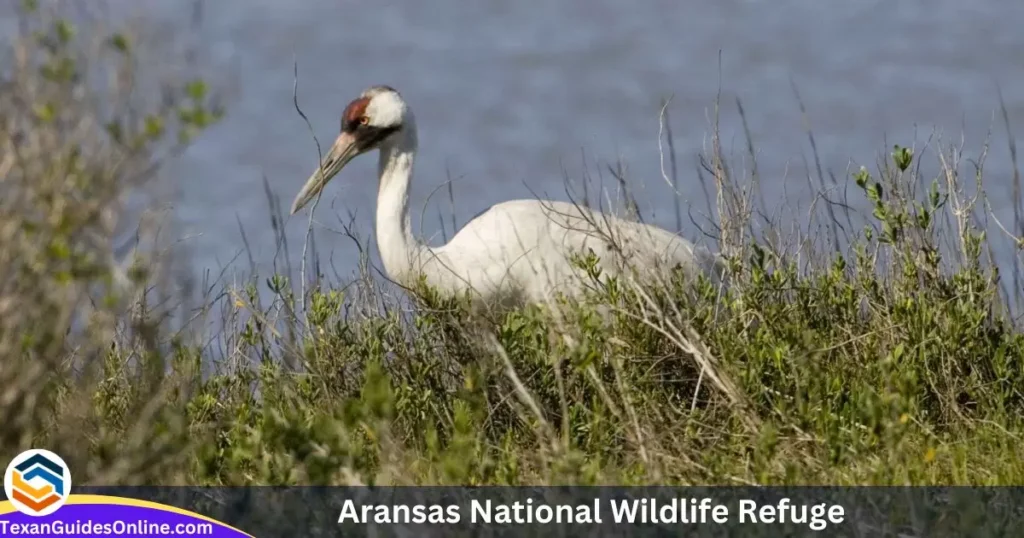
(343, 150)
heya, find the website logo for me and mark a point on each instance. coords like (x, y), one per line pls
(37, 482)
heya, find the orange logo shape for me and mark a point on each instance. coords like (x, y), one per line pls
(37, 482)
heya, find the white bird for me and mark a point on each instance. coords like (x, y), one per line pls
(516, 252)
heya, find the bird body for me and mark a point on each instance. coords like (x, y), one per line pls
(516, 252)
(522, 251)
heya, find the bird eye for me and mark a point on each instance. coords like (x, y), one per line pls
(364, 120)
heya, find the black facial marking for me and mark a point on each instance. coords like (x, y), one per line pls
(368, 136)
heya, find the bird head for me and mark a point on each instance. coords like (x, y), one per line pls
(369, 121)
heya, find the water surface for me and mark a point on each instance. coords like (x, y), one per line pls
(507, 94)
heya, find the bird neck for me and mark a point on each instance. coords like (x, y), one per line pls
(400, 252)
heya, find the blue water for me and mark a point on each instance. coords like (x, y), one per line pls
(508, 94)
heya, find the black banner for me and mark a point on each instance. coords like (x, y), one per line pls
(268, 512)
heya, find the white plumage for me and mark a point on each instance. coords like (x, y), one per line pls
(515, 252)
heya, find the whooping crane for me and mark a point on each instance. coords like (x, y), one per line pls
(516, 252)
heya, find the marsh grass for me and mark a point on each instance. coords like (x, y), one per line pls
(881, 352)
